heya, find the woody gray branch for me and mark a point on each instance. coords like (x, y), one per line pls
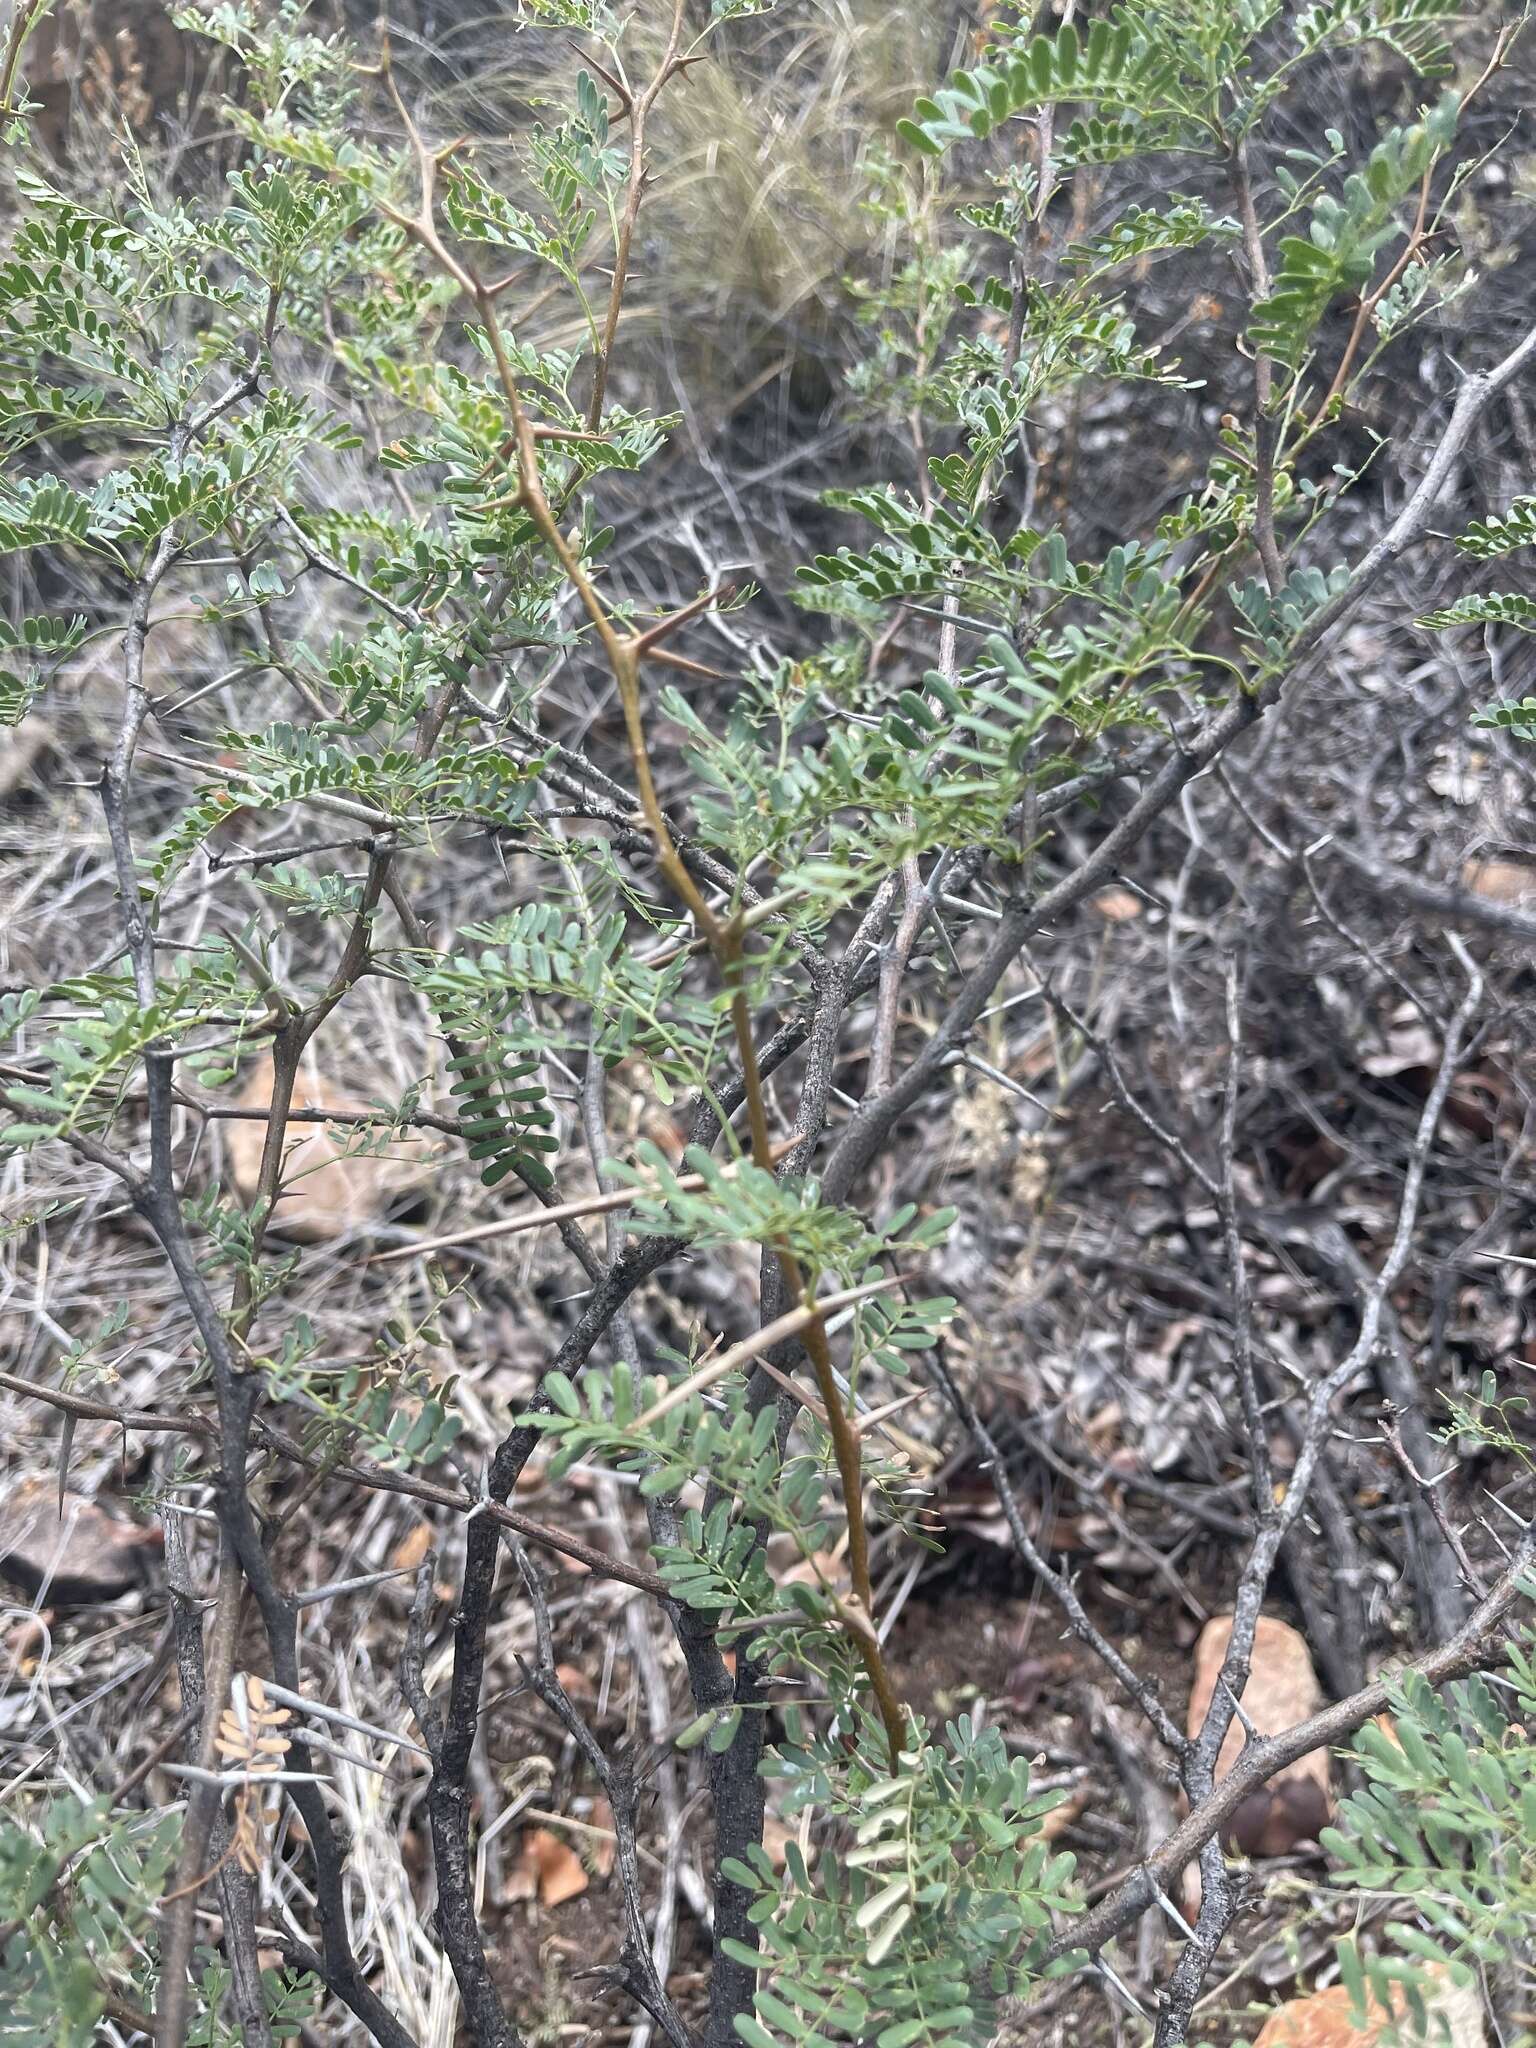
(1222, 1194)
(156, 1198)
(1198, 1763)
(918, 897)
(154, 1195)
(1317, 1426)
(1141, 1692)
(862, 1137)
(377, 1478)
(1480, 1645)
(1242, 1300)
(1438, 1557)
(448, 1800)
(1207, 1799)
(650, 1967)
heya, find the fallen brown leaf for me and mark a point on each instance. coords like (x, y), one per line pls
(547, 1869)
(821, 1568)
(1409, 1045)
(325, 1193)
(605, 1848)
(1060, 1818)
(1500, 881)
(21, 748)
(22, 1642)
(412, 1547)
(776, 1835)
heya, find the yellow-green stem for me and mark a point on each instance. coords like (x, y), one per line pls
(624, 652)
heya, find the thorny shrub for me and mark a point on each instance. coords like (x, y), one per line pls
(305, 415)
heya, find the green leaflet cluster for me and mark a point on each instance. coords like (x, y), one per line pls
(574, 164)
(932, 548)
(1516, 716)
(1275, 620)
(608, 1416)
(496, 1070)
(741, 1203)
(117, 1864)
(915, 1932)
(1114, 66)
(1148, 71)
(949, 762)
(1491, 608)
(466, 453)
(1446, 1823)
(97, 1033)
(710, 1434)
(1346, 232)
(37, 646)
(503, 1110)
(389, 1408)
(287, 764)
(38, 512)
(714, 1562)
(1153, 231)
(1415, 29)
(1487, 540)
(79, 1880)
(1500, 532)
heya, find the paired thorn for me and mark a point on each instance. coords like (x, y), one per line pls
(647, 646)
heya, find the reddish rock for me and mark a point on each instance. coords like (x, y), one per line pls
(1282, 1689)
